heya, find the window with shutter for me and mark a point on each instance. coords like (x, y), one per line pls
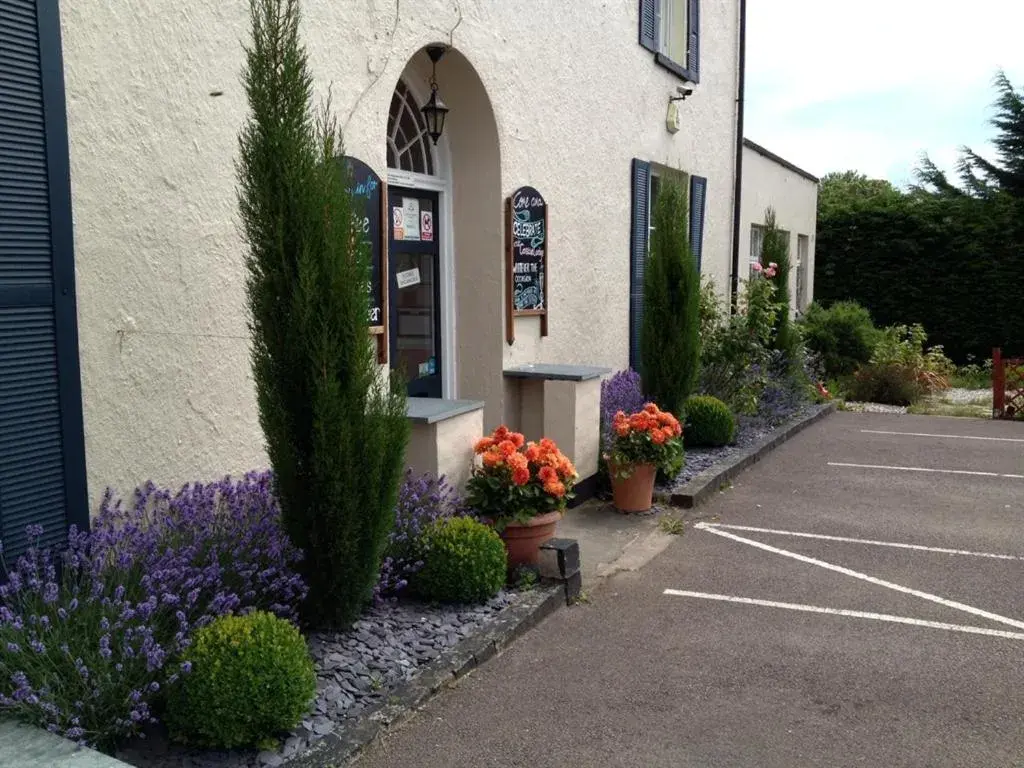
(638, 256)
(698, 203)
(671, 29)
(42, 462)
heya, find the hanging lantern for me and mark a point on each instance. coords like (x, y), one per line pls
(435, 110)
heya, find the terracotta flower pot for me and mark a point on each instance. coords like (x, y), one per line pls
(636, 492)
(523, 540)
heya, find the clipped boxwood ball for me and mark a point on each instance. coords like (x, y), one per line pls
(251, 679)
(463, 562)
(708, 422)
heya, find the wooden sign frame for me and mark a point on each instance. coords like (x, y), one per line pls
(511, 313)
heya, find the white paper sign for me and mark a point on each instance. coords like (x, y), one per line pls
(411, 218)
(408, 278)
(427, 226)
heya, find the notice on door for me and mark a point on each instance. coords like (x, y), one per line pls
(427, 226)
(408, 277)
(411, 218)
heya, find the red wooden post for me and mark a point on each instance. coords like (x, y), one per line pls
(998, 384)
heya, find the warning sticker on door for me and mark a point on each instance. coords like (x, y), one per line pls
(398, 222)
(427, 225)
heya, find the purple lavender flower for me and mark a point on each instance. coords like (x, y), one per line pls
(421, 501)
(132, 592)
(621, 392)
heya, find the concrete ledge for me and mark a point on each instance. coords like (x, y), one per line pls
(430, 410)
(707, 483)
(343, 744)
(22, 746)
(556, 372)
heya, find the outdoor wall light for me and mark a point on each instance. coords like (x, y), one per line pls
(434, 111)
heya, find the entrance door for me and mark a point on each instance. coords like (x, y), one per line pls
(414, 295)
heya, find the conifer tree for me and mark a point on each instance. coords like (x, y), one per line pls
(335, 433)
(775, 250)
(670, 333)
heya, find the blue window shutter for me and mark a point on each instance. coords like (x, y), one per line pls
(638, 256)
(698, 202)
(42, 463)
(649, 24)
(693, 46)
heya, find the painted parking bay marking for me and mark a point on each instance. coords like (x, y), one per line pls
(849, 614)
(951, 437)
(955, 605)
(872, 542)
(926, 469)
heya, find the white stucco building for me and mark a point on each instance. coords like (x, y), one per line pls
(124, 351)
(770, 181)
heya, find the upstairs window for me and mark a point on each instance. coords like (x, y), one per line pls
(671, 29)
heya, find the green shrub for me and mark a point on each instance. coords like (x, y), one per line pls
(251, 678)
(670, 334)
(708, 422)
(901, 370)
(464, 562)
(842, 335)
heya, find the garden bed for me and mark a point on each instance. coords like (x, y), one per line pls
(356, 671)
(750, 431)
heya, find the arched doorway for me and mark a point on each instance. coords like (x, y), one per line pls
(459, 178)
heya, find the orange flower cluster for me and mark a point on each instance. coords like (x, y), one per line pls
(661, 426)
(541, 461)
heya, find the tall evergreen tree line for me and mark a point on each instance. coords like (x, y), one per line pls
(948, 254)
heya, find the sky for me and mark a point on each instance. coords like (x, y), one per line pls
(870, 85)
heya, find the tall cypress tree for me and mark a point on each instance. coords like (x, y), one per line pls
(670, 333)
(335, 433)
(775, 250)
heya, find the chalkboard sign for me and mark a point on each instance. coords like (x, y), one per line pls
(367, 189)
(526, 225)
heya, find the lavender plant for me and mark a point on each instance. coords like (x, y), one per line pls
(78, 657)
(620, 392)
(87, 655)
(422, 500)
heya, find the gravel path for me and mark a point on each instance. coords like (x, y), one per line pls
(355, 670)
(961, 396)
(750, 430)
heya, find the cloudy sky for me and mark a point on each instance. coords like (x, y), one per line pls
(871, 84)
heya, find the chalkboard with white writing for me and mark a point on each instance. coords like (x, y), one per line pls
(527, 243)
(366, 191)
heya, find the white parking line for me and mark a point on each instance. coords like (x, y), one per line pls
(925, 469)
(951, 437)
(865, 577)
(846, 539)
(850, 614)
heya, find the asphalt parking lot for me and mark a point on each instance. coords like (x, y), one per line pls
(856, 599)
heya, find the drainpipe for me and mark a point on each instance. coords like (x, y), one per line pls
(738, 190)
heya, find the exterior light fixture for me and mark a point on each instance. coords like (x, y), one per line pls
(435, 110)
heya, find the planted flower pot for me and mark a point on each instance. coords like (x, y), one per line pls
(642, 443)
(523, 540)
(634, 493)
(521, 488)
